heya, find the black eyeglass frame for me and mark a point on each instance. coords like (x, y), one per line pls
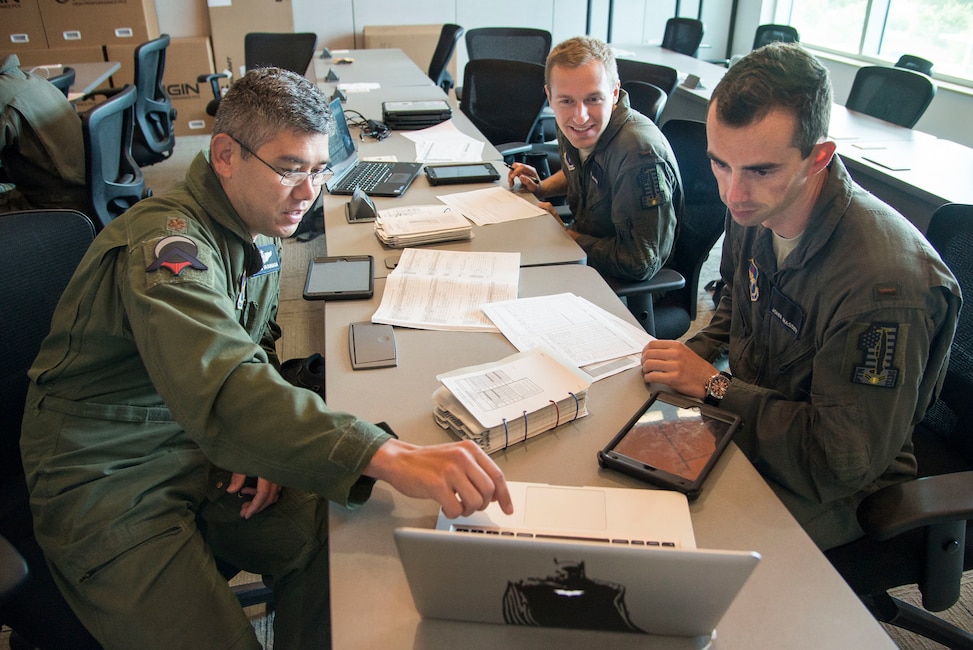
(290, 178)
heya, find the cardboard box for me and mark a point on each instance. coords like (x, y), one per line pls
(186, 59)
(21, 27)
(417, 41)
(99, 22)
(231, 20)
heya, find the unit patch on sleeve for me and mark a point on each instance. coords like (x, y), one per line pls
(876, 347)
(175, 253)
(654, 187)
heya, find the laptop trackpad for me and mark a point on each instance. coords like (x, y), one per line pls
(397, 177)
(565, 508)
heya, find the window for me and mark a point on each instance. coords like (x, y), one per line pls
(882, 30)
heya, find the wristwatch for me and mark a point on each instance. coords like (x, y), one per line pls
(716, 387)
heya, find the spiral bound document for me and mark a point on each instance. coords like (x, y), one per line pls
(506, 402)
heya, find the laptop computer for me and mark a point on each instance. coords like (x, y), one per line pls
(375, 178)
(533, 568)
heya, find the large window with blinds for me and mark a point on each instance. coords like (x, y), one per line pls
(879, 31)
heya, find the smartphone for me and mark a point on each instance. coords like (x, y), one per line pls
(672, 442)
(340, 278)
(462, 173)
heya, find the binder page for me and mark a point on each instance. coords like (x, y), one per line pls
(595, 340)
(508, 389)
(445, 290)
(493, 205)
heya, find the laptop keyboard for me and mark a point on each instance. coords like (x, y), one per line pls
(528, 535)
(366, 176)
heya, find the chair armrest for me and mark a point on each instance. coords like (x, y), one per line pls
(214, 81)
(102, 92)
(664, 280)
(513, 148)
(921, 502)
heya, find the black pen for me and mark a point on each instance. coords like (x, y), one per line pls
(535, 181)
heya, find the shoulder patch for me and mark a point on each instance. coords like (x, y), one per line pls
(653, 186)
(876, 348)
(175, 253)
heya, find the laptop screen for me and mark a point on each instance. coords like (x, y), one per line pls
(341, 147)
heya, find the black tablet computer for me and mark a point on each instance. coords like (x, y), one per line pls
(672, 442)
(340, 278)
(462, 173)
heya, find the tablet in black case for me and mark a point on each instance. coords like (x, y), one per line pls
(340, 278)
(672, 442)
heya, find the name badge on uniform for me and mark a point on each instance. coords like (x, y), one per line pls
(270, 259)
(787, 312)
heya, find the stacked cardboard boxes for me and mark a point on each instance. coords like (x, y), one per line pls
(231, 20)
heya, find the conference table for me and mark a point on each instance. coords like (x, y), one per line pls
(386, 67)
(912, 171)
(794, 598)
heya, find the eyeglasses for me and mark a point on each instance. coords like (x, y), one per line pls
(291, 179)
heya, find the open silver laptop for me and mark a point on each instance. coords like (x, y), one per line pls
(375, 178)
(534, 569)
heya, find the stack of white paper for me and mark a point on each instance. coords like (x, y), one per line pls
(508, 401)
(421, 224)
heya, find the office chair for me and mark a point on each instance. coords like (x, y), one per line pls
(448, 38)
(662, 76)
(42, 250)
(919, 532)
(488, 84)
(772, 33)
(64, 81)
(666, 303)
(113, 180)
(895, 95)
(917, 63)
(508, 43)
(683, 35)
(290, 51)
(648, 99)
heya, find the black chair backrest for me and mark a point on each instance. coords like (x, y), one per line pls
(704, 213)
(771, 33)
(42, 249)
(113, 179)
(683, 35)
(662, 76)
(895, 95)
(154, 137)
(511, 43)
(448, 38)
(291, 51)
(951, 234)
(488, 85)
(64, 81)
(648, 99)
(917, 63)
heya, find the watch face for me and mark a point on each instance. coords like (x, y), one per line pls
(718, 386)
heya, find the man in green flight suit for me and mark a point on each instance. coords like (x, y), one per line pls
(158, 392)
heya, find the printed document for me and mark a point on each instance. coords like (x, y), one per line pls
(492, 205)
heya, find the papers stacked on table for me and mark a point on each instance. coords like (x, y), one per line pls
(502, 403)
(421, 224)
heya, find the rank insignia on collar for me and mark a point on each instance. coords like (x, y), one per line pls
(176, 253)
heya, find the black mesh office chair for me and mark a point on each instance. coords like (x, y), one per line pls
(42, 249)
(895, 95)
(662, 76)
(919, 532)
(683, 35)
(113, 179)
(509, 43)
(917, 63)
(666, 303)
(488, 84)
(154, 136)
(648, 99)
(64, 81)
(448, 38)
(290, 51)
(772, 33)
